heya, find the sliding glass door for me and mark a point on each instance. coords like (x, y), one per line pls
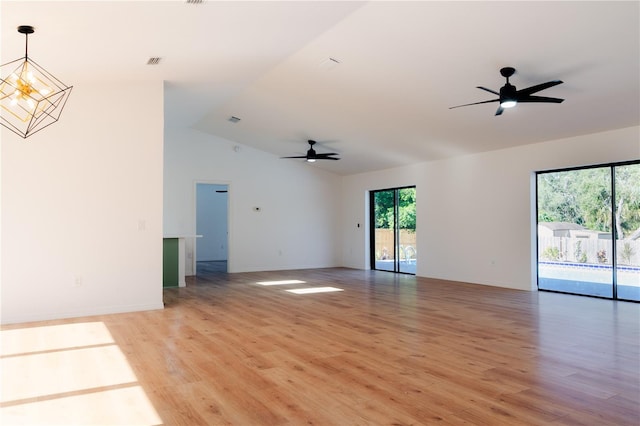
(627, 231)
(589, 231)
(393, 230)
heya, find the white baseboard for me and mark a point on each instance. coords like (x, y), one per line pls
(104, 310)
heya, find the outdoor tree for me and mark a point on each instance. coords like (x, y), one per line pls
(584, 197)
(557, 199)
(627, 200)
(384, 201)
(384, 209)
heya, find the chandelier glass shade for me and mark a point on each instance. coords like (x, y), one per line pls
(31, 98)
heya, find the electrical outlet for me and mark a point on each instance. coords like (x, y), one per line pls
(77, 281)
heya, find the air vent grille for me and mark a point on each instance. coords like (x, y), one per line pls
(154, 61)
(195, 1)
(234, 119)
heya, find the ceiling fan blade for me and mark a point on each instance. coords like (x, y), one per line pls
(538, 87)
(499, 110)
(488, 90)
(540, 99)
(312, 155)
(475, 103)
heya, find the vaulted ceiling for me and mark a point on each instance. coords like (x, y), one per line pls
(372, 81)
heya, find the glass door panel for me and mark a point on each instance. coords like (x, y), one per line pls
(575, 231)
(407, 230)
(384, 226)
(627, 220)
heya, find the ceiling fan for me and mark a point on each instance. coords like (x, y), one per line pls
(510, 97)
(312, 155)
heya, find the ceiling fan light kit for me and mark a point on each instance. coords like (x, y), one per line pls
(312, 155)
(31, 98)
(509, 96)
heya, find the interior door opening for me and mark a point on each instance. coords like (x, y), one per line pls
(211, 254)
(393, 230)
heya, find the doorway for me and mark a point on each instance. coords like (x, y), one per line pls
(212, 206)
(393, 230)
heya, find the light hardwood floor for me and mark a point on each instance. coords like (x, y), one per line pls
(386, 350)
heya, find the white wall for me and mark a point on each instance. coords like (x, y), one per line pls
(474, 213)
(355, 203)
(82, 207)
(298, 225)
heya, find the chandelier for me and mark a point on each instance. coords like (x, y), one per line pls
(31, 98)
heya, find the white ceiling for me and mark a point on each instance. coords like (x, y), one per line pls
(402, 65)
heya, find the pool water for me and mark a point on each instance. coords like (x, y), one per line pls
(592, 280)
(406, 266)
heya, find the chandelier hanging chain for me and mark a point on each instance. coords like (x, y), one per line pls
(26, 30)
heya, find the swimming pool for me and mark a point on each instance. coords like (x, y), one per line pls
(406, 266)
(589, 279)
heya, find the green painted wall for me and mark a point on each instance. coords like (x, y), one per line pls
(170, 262)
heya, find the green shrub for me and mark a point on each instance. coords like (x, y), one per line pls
(551, 253)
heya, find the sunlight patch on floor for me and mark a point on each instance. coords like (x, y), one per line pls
(69, 370)
(312, 290)
(69, 374)
(53, 337)
(124, 406)
(282, 282)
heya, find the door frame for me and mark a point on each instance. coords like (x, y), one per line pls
(614, 255)
(396, 230)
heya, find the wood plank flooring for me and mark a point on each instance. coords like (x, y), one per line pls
(387, 350)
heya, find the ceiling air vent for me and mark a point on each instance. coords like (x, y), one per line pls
(234, 119)
(195, 1)
(153, 61)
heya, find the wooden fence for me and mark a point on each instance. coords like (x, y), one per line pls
(384, 244)
(588, 250)
(580, 250)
